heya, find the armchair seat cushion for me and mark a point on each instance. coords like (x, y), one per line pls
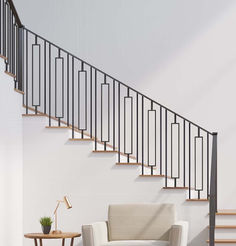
(137, 243)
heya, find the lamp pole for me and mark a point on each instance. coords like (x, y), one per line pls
(55, 215)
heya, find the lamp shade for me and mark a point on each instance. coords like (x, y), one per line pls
(67, 202)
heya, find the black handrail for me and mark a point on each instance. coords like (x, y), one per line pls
(18, 21)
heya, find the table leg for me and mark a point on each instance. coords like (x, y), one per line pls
(72, 241)
(63, 241)
(41, 242)
(35, 242)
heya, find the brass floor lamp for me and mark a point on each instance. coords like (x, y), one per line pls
(68, 206)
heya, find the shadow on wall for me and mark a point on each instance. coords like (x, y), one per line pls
(143, 36)
(128, 39)
(80, 243)
(200, 239)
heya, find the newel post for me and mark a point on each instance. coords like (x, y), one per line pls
(213, 191)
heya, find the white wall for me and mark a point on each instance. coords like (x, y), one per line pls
(11, 162)
(180, 52)
(54, 167)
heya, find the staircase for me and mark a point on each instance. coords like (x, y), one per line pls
(97, 107)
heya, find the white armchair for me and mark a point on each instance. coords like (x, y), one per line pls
(137, 225)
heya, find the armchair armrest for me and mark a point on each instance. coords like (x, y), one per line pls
(95, 234)
(179, 234)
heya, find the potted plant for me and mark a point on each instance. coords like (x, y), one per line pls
(46, 223)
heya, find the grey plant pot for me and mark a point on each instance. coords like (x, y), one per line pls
(46, 229)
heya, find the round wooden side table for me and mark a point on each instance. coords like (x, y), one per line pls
(63, 236)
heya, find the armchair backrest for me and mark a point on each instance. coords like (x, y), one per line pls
(140, 221)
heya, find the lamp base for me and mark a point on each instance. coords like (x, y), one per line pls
(56, 232)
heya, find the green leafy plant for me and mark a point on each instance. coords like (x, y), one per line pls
(46, 221)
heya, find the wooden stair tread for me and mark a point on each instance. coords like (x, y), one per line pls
(152, 176)
(197, 200)
(33, 115)
(129, 163)
(105, 151)
(81, 139)
(57, 127)
(175, 188)
(224, 241)
(226, 212)
(133, 164)
(10, 74)
(18, 91)
(3, 57)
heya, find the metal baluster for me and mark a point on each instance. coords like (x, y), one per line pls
(7, 36)
(208, 166)
(37, 104)
(189, 196)
(22, 60)
(10, 30)
(72, 98)
(175, 177)
(131, 126)
(83, 128)
(160, 140)
(102, 115)
(184, 167)
(142, 135)
(13, 46)
(45, 77)
(137, 130)
(1, 27)
(95, 108)
(82, 69)
(119, 122)
(17, 56)
(4, 28)
(9, 41)
(49, 74)
(27, 90)
(166, 148)
(114, 115)
(195, 162)
(148, 138)
(91, 102)
(56, 82)
(103, 86)
(68, 90)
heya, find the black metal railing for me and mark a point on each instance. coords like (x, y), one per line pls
(11, 42)
(97, 106)
(74, 93)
